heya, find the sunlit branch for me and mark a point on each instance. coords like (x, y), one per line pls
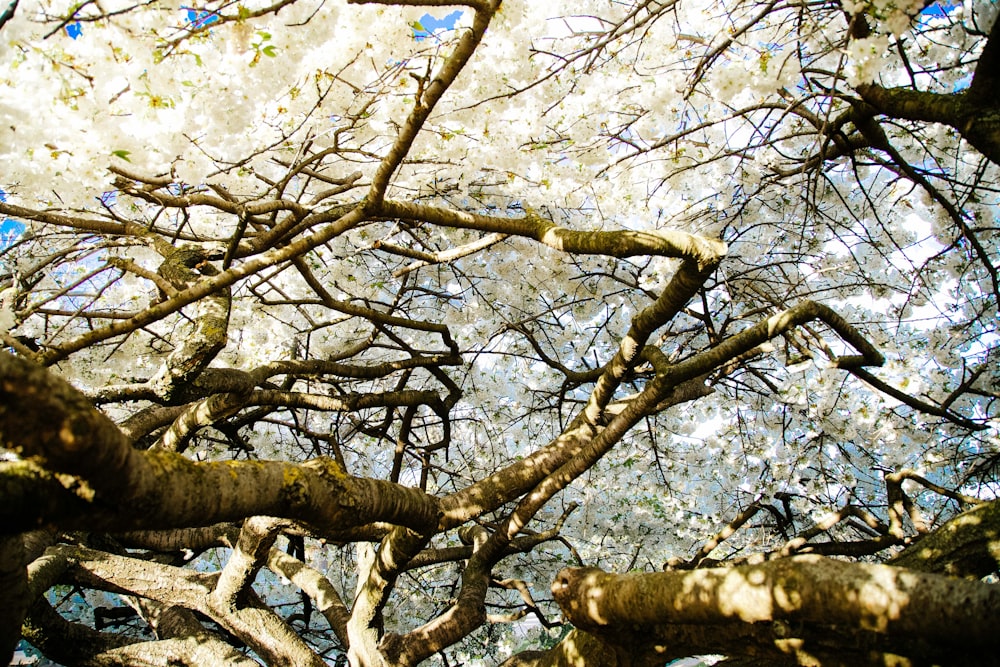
(623, 243)
(800, 543)
(960, 547)
(161, 283)
(316, 586)
(250, 552)
(894, 605)
(87, 224)
(57, 425)
(441, 257)
(323, 367)
(776, 325)
(432, 93)
(197, 416)
(182, 636)
(530, 606)
(728, 531)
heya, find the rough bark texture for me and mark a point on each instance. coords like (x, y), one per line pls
(783, 607)
(280, 239)
(577, 649)
(974, 112)
(14, 583)
(967, 546)
(53, 425)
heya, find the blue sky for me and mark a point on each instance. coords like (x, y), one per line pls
(431, 23)
(10, 229)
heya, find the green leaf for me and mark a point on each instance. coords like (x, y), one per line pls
(121, 154)
(270, 51)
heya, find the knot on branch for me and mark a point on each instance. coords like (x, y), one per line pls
(183, 267)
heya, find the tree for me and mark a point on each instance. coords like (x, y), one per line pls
(604, 334)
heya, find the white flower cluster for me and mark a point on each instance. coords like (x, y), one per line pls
(7, 318)
(894, 15)
(865, 58)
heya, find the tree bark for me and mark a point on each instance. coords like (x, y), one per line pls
(14, 584)
(966, 546)
(785, 607)
(974, 112)
(577, 648)
(93, 476)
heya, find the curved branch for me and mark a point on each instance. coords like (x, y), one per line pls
(314, 584)
(45, 419)
(966, 546)
(776, 325)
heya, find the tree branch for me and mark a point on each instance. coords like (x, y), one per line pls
(891, 608)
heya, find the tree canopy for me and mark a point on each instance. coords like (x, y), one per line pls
(522, 333)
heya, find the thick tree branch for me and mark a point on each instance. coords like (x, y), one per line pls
(973, 112)
(899, 610)
(965, 546)
(249, 555)
(319, 589)
(46, 420)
